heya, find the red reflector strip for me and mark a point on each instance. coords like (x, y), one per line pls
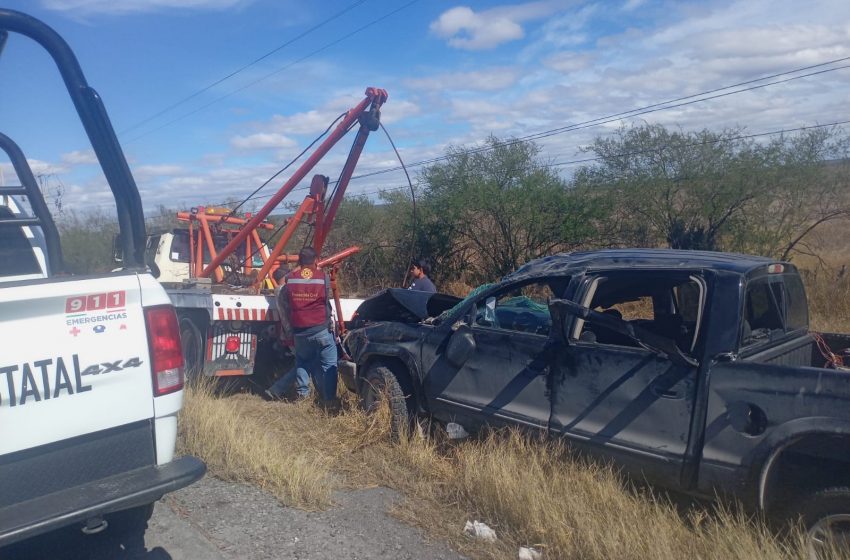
(245, 314)
(229, 372)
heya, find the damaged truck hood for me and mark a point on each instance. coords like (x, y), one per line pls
(403, 306)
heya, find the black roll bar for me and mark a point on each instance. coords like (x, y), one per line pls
(92, 113)
(29, 188)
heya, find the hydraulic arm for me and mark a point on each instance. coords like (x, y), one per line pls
(367, 115)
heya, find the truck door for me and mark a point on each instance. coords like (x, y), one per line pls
(617, 399)
(502, 374)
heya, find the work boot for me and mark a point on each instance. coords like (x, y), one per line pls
(330, 406)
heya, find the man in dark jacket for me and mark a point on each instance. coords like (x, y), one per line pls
(419, 271)
(304, 302)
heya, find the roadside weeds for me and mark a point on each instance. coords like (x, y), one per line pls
(530, 490)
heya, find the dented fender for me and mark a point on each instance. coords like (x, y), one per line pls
(387, 340)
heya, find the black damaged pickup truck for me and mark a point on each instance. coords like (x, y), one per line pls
(696, 371)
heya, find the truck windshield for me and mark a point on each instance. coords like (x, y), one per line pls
(180, 248)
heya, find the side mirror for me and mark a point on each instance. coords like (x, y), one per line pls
(461, 346)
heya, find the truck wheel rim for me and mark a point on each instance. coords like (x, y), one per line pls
(833, 531)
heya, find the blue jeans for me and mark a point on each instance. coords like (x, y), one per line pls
(296, 376)
(316, 354)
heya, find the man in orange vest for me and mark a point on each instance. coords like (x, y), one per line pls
(305, 307)
(293, 379)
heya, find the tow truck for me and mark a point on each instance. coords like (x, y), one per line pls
(218, 269)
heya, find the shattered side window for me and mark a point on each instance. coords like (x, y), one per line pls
(471, 295)
(518, 309)
(666, 304)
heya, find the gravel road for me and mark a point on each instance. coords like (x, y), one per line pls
(215, 520)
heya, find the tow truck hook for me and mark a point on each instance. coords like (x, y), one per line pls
(371, 119)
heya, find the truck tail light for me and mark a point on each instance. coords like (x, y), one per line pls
(166, 350)
(231, 345)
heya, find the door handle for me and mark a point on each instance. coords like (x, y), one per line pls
(663, 393)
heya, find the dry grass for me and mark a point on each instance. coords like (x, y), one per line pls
(829, 300)
(531, 491)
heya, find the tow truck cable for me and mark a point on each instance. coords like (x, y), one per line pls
(413, 201)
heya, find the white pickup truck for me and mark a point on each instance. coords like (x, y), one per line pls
(91, 369)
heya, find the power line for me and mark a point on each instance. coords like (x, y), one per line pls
(655, 107)
(589, 160)
(270, 74)
(243, 68)
(637, 152)
(585, 160)
(646, 109)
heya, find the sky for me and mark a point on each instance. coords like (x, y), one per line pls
(456, 73)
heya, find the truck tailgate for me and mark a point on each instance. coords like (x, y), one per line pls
(74, 359)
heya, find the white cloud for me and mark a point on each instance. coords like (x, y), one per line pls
(632, 5)
(312, 123)
(40, 167)
(492, 79)
(753, 41)
(120, 7)
(79, 157)
(162, 170)
(466, 29)
(566, 61)
(262, 141)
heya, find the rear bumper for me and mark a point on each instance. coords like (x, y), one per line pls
(107, 495)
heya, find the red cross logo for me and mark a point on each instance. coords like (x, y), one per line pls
(75, 331)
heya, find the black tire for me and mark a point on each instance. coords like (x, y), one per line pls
(192, 344)
(825, 515)
(131, 520)
(127, 528)
(379, 383)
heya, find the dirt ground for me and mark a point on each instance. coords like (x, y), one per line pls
(216, 520)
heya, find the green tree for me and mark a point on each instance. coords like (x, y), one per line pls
(87, 241)
(382, 231)
(718, 190)
(808, 188)
(488, 211)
